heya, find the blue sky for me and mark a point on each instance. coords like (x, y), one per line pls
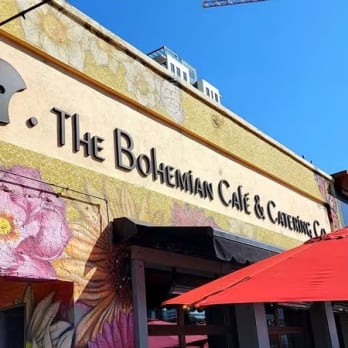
(282, 65)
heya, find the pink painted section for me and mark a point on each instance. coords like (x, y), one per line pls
(33, 227)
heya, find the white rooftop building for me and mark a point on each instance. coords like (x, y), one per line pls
(184, 71)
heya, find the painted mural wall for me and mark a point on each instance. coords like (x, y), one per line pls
(57, 205)
(55, 234)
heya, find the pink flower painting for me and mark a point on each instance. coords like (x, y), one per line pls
(119, 333)
(33, 227)
(191, 216)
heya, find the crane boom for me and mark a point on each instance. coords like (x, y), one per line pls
(215, 3)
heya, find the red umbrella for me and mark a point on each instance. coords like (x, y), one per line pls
(314, 271)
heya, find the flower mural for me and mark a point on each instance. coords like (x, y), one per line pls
(152, 91)
(63, 38)
(323, 186)
(55, 33)
(43, 328)
(242, 228)
(117, 334)
(142, 83)
(105, 54)
(108, 292)
(33, 228)
(100, 270)
(170, 101)
(187, 216)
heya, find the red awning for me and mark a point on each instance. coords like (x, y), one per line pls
(314, 271)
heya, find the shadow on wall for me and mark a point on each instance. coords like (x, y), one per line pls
(105, 304)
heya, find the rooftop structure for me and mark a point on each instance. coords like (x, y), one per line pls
(184, 71)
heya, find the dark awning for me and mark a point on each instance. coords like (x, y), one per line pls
(200, 241)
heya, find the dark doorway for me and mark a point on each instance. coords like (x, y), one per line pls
(12, 327)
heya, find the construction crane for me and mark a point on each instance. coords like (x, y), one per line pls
(212, 3)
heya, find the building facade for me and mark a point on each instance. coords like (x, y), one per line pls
(120, 188)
